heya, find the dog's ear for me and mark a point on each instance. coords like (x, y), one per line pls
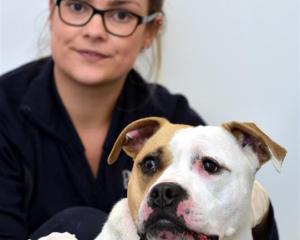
(134, 136)
(248, 134)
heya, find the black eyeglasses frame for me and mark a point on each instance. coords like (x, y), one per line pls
(101, 12)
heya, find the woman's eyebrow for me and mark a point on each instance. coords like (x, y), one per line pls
(119, 2)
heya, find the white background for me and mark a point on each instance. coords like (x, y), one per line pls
(233, 59)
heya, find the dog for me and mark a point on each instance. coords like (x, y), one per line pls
(191, 183)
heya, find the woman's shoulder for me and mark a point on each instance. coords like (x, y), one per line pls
(13, 87)
(162, 102)
(23, 74)
(14, 83)
(154, 90)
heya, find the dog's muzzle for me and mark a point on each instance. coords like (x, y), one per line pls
(163, 223)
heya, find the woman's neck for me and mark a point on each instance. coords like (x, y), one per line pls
(89, 106)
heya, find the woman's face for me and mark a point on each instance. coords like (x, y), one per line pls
(90, 55)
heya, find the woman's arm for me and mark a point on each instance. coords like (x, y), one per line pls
(12, 217)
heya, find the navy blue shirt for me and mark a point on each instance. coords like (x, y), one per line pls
(43, 168)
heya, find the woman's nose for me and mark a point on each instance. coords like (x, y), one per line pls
(95, 28)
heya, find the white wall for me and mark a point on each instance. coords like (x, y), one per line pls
(233, 59)
(239, 60)
(21, 24)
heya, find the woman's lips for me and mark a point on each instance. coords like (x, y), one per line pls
(92, 56)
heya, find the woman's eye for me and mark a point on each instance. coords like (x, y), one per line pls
(149, 165)
(210, 165)
(122, 16)
(77, 7)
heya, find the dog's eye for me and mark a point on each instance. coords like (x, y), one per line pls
(149, 165)
(210, 165)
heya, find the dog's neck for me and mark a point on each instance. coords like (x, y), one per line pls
(244, 233)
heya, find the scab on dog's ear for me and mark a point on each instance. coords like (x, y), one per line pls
(248, 134)
(134, 136)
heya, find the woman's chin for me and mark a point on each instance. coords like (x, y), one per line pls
(93, 79)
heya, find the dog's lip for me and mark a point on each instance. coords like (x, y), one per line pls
(170, 222)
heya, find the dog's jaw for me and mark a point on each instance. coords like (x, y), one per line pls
(186, 226)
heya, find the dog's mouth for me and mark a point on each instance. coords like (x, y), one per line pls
(170, 228)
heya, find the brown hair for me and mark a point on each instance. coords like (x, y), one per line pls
(155, 6)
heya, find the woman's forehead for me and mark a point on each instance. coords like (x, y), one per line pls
(127, 1)
(135, 2)
(140, 4)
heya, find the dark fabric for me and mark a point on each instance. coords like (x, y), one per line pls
(85, 222)
(267, 230)
(43, 169)
(272, 231)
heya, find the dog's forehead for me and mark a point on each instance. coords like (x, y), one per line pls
(208, 135)
(213, 141)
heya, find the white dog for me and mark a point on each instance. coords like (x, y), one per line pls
(191, 182)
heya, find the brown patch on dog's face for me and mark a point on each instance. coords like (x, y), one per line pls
(149, 164)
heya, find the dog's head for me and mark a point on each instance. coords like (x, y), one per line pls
(192, 182)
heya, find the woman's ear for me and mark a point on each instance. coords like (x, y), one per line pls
(152, 30)
(51, 4)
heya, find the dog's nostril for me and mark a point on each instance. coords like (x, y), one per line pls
(169, 193)
(154, 194)
(166, 195)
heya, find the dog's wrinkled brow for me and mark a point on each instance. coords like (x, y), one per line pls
(195, 157)
(157, 153)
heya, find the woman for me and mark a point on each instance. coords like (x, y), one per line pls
(60, 115)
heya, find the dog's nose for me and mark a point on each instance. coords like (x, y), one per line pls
(166, 195)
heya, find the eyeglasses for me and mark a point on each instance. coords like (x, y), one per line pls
(118, 22)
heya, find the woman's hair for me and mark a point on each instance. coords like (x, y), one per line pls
(155, 6)
(149, 62)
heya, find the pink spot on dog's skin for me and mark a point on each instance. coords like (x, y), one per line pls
(198, 167)
(184, 209)
(147, 211)
(187, 211)
(202, 237)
